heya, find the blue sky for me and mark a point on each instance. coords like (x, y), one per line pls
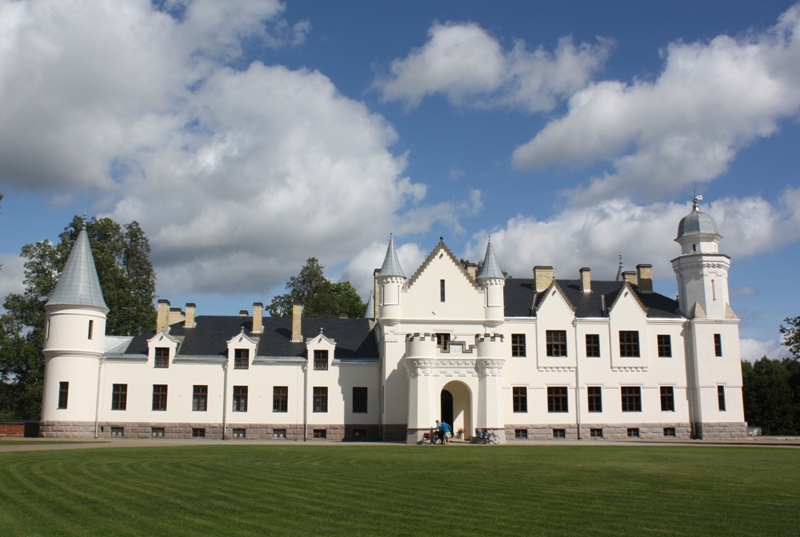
(248, 136)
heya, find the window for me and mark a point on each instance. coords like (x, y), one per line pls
(198, 433)
(559, 433)
(320, 433)
(629, 343)
(443, 341)
(359, 434)
(556, 342)
(631, 399)
(667, 399)
(320, 399)
(633, 432)
(280, 399)
(520, 399)
(521, 434)
(162, 357)
(279, 433)
(721, 398)
(441, 290)
(47, 330)
(200, 398)
(595, 398)
(321, 360)
(592, 345)
(664, 346)
(119, 397)
(240, 433)
(359, 400)
(518, 345)
(157, 432)
(91, 328)
(557, 399)
(159, 396)
(669, 432)
(717, 345)
(63, 394)
(241, 358)
(240, 398)
(596, 433)
(118, 431)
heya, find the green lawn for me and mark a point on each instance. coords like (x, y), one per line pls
(399, 490)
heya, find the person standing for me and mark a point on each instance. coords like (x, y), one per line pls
(448, 432)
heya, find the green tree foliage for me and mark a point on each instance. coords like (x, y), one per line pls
(771, 389)
(791, 335)
(121, 255)
(319, 296)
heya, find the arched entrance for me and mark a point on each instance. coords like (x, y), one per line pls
(455, 407)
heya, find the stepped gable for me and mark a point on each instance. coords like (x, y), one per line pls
(442, 247)
(520, 294)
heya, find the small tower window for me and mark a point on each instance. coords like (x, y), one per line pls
(47, 330)
(63, 394)
(441, 290)
(694, 247)
(717, 345)
(91, 328)
(713, 289)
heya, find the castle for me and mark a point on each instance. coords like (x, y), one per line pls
(539, 358)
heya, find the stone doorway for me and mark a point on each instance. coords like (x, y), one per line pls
(455, 407)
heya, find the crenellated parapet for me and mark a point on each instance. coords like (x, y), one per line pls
(489, 345)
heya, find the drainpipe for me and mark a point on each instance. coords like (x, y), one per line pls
(224, 395)
(99, 396)
(305, 402)
(577, 382)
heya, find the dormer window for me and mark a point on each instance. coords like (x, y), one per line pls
(241, 358)
(162, 357)
(321, 360)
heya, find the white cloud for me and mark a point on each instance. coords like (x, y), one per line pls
(469, 66)
(753, 349)
(594, 236)
(686, 126)
(12, 274)
(237, 176)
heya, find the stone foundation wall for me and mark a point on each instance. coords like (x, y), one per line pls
(66, 429)
(721, 431)
(395, 432)
(609, 431)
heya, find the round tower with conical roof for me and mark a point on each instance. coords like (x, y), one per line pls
(492, 281)
(391, 280)
(74, 346)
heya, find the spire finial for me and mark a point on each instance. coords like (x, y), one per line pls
(619, 270)
(695, 199)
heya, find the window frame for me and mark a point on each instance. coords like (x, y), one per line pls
(63, 395)
(160, 397)
(320, 400)
(721, 403)
(664, 344)
(119, 397)
(557, 400)
(520, 399)
(320, 359)
(360, 399)
(667, 394)
(629, 344)
(518, 346)
(594, 398)
(199, 398)
(241, 358)
(718, 345)
(442, 291)
(161, 358)
(280, 399)
(593, 347)
(239, 399)
(631, 397)
(556, 343)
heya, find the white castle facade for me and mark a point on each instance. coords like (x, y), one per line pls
(535, 359)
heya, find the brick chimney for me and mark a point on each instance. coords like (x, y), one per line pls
(644, 277)
(297, 323)
(629, 276)
(162, 317)
(586, 280)
(472, 270)
(243, 313)
(258, 318)
(543, 276)
(190, 309)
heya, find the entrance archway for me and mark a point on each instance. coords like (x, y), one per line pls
(455, 407)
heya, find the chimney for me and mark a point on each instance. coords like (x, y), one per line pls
(258, 318)
(243, 313)
(297, 323)
(344, 316)
(543, 276)
(472, 270)
(190, 307)
(644, 276)
(586, 280)
(162, 317)
(629, 276)
(376, 294)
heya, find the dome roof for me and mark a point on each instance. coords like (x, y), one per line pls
(697, 223)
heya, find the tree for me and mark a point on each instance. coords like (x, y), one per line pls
(318, 295)
(121, 255)
(791, 335)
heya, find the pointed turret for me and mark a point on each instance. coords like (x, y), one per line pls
(391, 279)
(492, 281)
(78, 284)
(369, 312)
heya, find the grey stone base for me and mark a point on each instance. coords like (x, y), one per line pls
(721, 430)
(394, 432)
(66, 429)
(609, 431)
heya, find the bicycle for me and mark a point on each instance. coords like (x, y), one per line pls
(489, 437)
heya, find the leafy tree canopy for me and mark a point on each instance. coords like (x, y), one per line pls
(319, 296)
(121, 255)
(791, 335)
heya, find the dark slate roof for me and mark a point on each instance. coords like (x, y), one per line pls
(520, 297)
(354, 338)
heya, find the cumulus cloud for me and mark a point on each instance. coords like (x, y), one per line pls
(593, 237)
(753, 349)
(469, 66)
(236, 174)
(686, 126)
